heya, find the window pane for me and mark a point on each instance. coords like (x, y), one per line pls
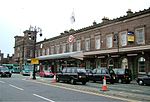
(123, 39)
(109, 41)
(87, 44)
(64, 48)
(71, 47)
(97, 42)
(78, 45)
(140, 36)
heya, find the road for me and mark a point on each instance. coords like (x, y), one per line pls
(17, 89)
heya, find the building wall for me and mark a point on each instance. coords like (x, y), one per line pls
(103, 56)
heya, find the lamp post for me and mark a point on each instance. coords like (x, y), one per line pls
(34, 31)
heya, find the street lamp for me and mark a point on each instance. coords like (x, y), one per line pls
(34, 31)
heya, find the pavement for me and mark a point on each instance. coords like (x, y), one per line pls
(140, 97)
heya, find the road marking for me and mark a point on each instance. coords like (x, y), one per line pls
(2, 82)
(43, 98)
(16, 87)
(136, 90)
(92, 93)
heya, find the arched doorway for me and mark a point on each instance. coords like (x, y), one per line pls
(124, 63)
(141, 65)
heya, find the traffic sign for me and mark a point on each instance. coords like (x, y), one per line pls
(71, 38)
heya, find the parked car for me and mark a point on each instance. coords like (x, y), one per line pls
(46, 73)
(99, 73)
(15, 70)
(89, 73)
(27, 70)
(72, 75)
(123, 75)
(5, 72)
(144, 80)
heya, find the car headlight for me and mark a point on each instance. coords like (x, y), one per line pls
(80, 76)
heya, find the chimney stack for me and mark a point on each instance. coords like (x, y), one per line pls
(105, 19)
(129, 12)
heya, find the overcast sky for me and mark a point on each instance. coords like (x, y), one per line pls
(53, 16)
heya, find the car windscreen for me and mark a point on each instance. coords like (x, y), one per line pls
(4, 69)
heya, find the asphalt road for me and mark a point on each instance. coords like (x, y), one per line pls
(16, 89)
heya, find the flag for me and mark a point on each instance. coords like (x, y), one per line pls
(72, 18)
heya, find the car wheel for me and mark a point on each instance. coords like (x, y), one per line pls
(83, 82)
(140, 82)
(72, 81)
(127, 82)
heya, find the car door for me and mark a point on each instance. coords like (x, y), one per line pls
(62, 74)
(68, 74)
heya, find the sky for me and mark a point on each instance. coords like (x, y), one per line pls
(53, 16)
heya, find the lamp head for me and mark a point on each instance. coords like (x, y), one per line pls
(40, 34)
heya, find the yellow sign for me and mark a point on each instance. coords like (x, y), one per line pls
(34, 61)
(131, 38)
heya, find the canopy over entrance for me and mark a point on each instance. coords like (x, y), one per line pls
(77, 55)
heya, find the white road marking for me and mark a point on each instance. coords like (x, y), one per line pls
(43, 98)
(2, 82)
(136, 90)
(92, 93)
(16, 87)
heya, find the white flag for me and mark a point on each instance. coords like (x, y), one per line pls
(72, 18)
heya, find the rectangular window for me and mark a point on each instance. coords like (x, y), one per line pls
(43, 52)
(57, 49)
(63, 48)
(123, 38)
(97, 42)
(109, 41)
(87, 44)
(47, 51)
(39, 52)
(78, 45)
(70, 47)
(140, 36)
(52, 49)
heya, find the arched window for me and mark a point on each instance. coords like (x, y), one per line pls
(141, 65)
(124, 63)
(110, 63)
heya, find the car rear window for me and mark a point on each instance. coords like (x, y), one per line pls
(120, 71)
(81, 70)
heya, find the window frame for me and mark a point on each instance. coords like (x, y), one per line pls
(109, 41)
(52, 49)
(63, 48)
(57, 49)
(87, 44)
(137, 35)
(123, 40)
(70, 47)
(97, 42)
(78, 45)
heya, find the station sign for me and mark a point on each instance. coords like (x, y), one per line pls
(34, 61)
(130, 36)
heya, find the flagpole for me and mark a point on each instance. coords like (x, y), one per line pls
(72, 18)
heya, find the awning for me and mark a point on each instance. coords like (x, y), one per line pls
(77, 55)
